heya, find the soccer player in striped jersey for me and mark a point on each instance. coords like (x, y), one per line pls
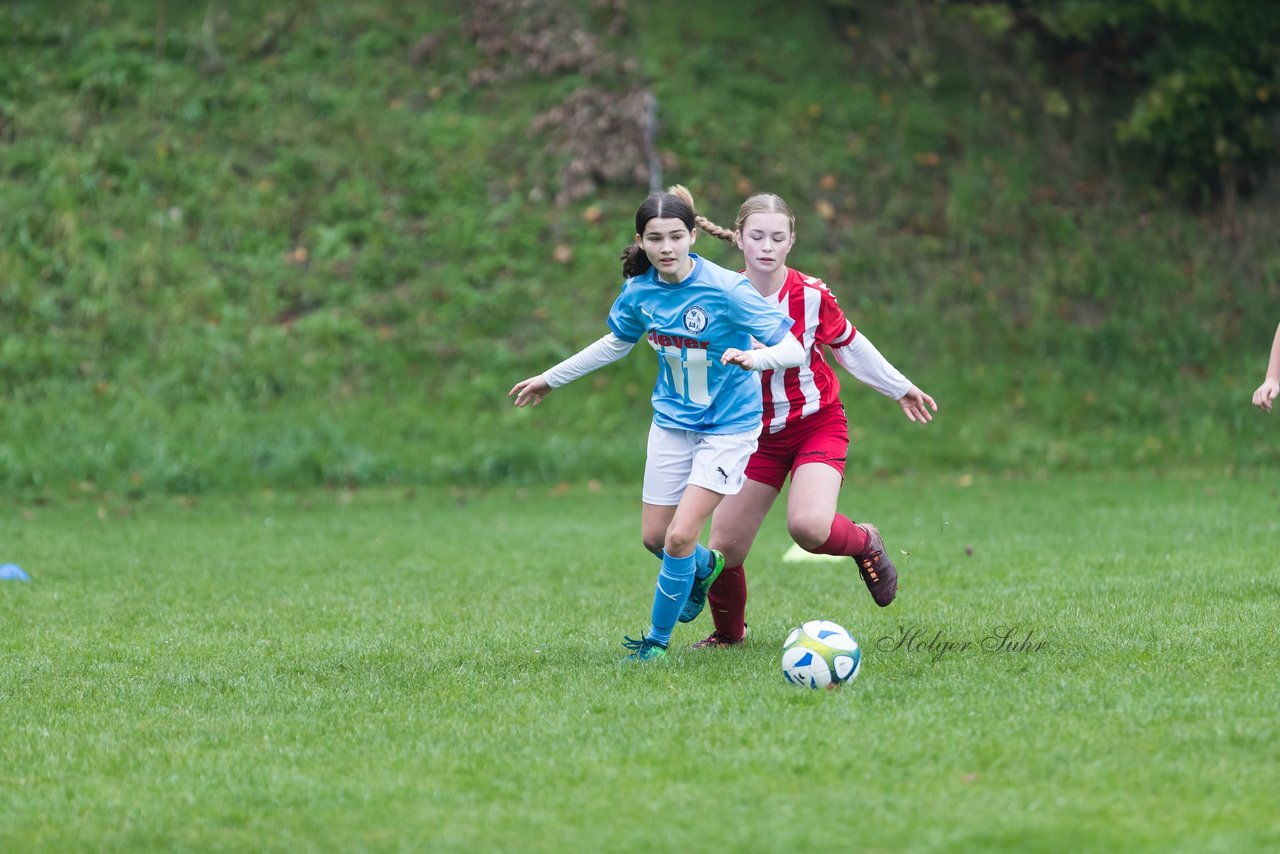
(805, 433)
(701, 320)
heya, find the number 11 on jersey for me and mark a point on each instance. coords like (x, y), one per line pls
(689, 372)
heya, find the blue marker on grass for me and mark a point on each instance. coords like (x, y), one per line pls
(12, 572)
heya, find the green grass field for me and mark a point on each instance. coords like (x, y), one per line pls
(440, 671)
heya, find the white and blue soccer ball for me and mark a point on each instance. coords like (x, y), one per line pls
(820, 654)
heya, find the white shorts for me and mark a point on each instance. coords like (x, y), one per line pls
(677, 458)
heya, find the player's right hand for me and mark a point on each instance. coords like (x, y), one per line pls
(530, 391)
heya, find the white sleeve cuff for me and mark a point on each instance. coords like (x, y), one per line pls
(863, 360)
(606, 351)
(787, 353)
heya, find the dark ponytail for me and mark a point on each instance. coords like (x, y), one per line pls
(673, 205)
(634, 261)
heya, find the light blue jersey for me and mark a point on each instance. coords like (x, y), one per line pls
(689, 325)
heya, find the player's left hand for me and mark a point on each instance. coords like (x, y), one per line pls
(741, 358)
(1266, 393)
(916, 405)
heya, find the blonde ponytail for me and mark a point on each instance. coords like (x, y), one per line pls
(682, 192)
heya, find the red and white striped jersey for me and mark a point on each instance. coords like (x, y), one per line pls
(817, 319)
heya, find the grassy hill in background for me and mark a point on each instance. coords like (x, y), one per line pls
(292, 244)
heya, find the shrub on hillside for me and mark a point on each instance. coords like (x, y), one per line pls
(1196, 85)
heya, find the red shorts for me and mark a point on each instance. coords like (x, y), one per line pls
(821, 438)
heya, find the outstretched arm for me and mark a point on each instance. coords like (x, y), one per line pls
(1270, 387)
(861, 358)
(603, 352)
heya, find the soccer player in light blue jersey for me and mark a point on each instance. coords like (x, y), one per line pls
(702, 321)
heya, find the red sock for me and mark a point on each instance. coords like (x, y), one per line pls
(845, 538)
(728, 600)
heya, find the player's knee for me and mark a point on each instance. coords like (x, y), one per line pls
(809, 532)
(654, 544)
(732, 541)
(680, 542)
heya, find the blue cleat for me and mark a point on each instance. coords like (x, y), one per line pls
(644, 650)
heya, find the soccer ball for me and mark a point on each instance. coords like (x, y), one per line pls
(820, 654)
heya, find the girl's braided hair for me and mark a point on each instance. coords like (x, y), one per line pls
(681, 191)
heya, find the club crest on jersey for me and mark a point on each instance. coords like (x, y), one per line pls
(695, 319)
